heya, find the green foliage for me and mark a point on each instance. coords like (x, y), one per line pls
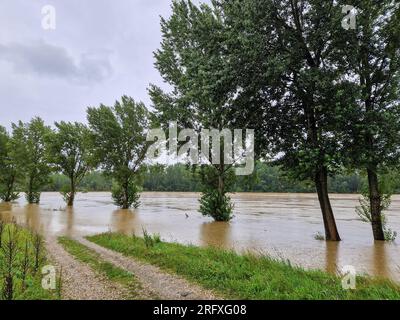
(6, 195)
(93, 181)
(371, 55)
(150, 240)
(290, 91)
(29, 147)
(119, 143)
(216, 205)
(371, 61)
(178, 177)
(247, 276)
(193, 60)
(289, 86)
(70, 153)
(265, 178)
(33, 196)
(20, 278)
(126, 197)
(386, 187)
(9, 168)
(66, 193)
(214, 201)
(364, 212)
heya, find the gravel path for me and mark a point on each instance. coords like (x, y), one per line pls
(80, 282)
(165, 286)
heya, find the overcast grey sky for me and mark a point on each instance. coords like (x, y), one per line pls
(100, 50)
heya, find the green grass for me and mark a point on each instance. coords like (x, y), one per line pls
(245, 276)
(111, 272)
(31, 288)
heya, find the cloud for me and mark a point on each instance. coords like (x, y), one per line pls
(48, 60)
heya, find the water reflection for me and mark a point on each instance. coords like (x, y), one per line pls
(331, 257)
(6, 211)
(380, 259)
(32, 217)
(126, 222)
(70, 219)
(216, 234)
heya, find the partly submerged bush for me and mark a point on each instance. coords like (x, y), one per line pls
(33, 197)
(7, 195)
(216, 205)
(126, 197)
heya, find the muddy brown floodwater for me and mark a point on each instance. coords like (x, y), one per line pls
(282, 225)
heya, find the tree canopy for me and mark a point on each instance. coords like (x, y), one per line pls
(119, 144)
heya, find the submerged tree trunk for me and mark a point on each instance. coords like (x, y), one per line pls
(30, 190)
(221, 182)
(125, 204)
(10, 189)
(71, 197)
(375, 205)
(321, 183)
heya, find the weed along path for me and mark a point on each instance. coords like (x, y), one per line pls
(166, 286)
(79, 281)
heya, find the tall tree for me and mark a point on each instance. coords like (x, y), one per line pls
(285, 57)
(120, 146)
(372, 61)
(28, 145)
(69, 152)
(192, 59)
(9, 170)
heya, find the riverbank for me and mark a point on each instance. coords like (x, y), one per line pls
(244, 276)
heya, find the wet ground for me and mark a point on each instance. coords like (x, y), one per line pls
(282, 225)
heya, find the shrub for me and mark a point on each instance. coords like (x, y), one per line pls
(126, 197)
(33, 197)
(216, 205)
(7, 195)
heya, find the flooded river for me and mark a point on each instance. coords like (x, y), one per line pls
(282, 225)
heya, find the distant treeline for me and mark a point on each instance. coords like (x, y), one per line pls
(179, 177)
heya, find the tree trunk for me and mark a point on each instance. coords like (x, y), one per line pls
(375, 204)
(30, 191)
(10, 188)
(125, 202)
(321, 183)
(221, 184)
(71, 198)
